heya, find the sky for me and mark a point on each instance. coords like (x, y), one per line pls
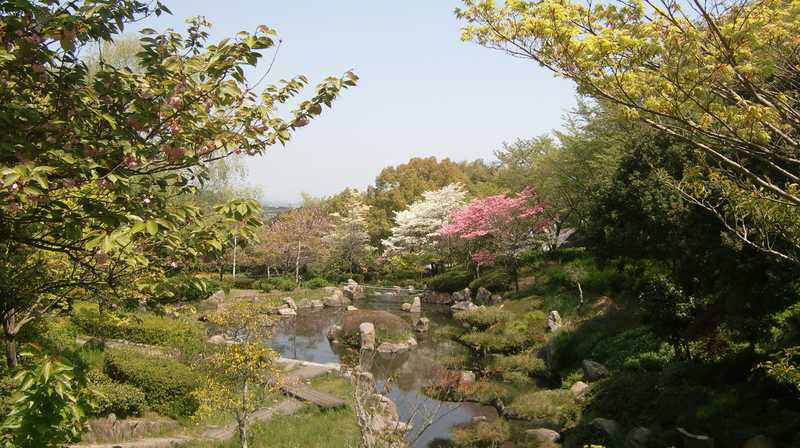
(422, 91)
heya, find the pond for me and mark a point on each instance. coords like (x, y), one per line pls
(305, 337)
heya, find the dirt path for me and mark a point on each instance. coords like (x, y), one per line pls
(213, 434)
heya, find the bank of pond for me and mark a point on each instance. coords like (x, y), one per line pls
(531, 368)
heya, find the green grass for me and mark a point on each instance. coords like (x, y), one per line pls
(309, 427)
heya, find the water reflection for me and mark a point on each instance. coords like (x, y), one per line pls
(305, 337)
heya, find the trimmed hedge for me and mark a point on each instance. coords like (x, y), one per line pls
(122, 400)
(450, 281)
(142, 328)
(167, 384)
(495, 281)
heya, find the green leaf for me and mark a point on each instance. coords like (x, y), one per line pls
(152, 227)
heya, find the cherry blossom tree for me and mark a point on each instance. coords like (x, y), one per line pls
(502, 226)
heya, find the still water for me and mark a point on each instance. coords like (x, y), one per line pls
(304, 337)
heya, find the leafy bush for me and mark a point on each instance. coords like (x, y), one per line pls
(273, 283)
(315, 283)
(167, 384)
(142, 328)
(122, 400)
(242, 282)
(388, 327)
(483, 317)
(481, 434)
(496, 341)
(495, 281)
(450, 281)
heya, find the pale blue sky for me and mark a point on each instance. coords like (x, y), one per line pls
(422, 91)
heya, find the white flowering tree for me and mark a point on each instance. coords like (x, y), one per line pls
(348, 240)
(413, 242)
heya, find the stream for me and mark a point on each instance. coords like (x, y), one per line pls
(304, 337)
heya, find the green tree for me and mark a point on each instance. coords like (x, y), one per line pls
(720, 75)
(92, 166)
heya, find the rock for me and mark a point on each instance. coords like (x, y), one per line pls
(422, 325)
(286, 311)
(463, 295)
(593, 371)
(367, 330)
(304, 303)
(483, 296)
(695, 440)
(544, 435)
(317, 304)
(638, 437)
(410, 288)
(479, 418)
(463, 305)
(353, 291)
(290, 303)
(393, 347)
(217, 339)
(467, 377)
(412, 343)
(759, 441)
(336, 299)
(406, 307)
(351, 308)
(579, 390)
(548, 354)
(607, 426)
(553, 321)
(416, 305)
(495, 299)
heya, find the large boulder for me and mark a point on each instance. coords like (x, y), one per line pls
(422, 325)
(336, 299)
(416, 305)
(543, 436)
(579, 390)
(287, 311)
(463, 305)
(367, 330)
(483, 296)
(397, 347)
(548, 354)
(593, 371)
(607, 426)
(553, 321)
(463, 295)
(638, 437)
(695, 440)
(353, 291)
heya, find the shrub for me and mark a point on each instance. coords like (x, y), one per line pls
(122, 400)
(487, 392)
(483, 317)
(242, 282)
(273, 283)
(142, 328)
(450, 281)
(315, 283)
(481, 434)
(553, 405)
(388, 327)
(495, 281)
(167, 384)
(519, 367)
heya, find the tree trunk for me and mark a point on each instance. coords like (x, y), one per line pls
(10, 334)
(242, 419)
(580, 295)
(297, 265)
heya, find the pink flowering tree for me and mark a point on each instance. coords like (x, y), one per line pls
(501, 227)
